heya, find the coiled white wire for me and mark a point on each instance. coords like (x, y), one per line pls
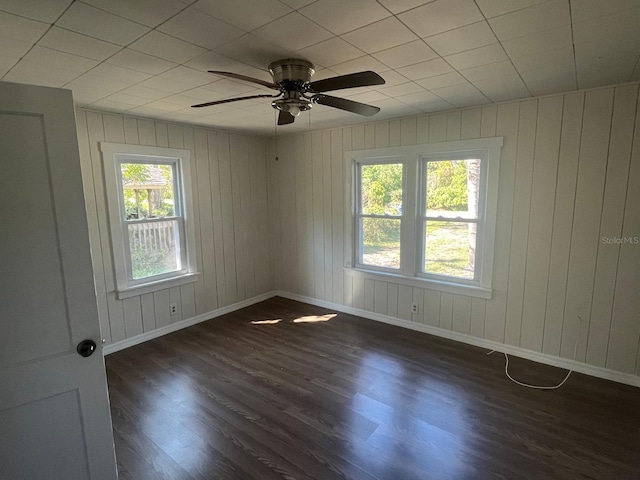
(543, 387)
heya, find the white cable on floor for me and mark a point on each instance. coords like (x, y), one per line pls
(542, 387)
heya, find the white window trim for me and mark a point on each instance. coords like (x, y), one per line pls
(124, 287)
(412, 158)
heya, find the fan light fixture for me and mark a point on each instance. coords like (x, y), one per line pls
(297, 93)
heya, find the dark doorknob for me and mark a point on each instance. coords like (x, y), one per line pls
(86, 348)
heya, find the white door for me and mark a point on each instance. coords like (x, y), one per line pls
(54, 407)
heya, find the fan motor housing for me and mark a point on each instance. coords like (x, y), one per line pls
(291, 70)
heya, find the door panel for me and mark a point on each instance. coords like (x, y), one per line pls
(54, 408)
(30, 247)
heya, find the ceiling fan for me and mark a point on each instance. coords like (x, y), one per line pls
(297, 93)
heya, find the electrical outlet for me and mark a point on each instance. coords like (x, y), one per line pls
(414, 307)
(173, 309)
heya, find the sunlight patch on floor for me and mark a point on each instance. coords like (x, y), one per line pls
(266, 322)
(315, 318)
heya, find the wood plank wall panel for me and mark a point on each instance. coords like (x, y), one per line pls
(569, 176)
(231, 201)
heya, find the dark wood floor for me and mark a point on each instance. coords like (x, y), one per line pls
(345, 397)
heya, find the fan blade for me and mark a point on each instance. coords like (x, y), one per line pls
(361, 79)
(237, 76)
(285, 118)
(229, 100)
(344, 104)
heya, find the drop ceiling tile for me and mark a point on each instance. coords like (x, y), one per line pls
(42, 10)
(245, 14)
(141, 62)
(231, 88)
(91, 82)
(125, 99)
(110, 106)
(381, 35)
(605, 70)
(479, 56)
(430, 106)
(78, 44)
(469, 37)
(96, 23)
(539, 42)
(120, 74)
(53, 58)
(500, 89)
(364, 97)
(360, 64)
(538, 18)
(340, 17)
(441, 16)
(616, 31)
(162, 105)
(551, 58)
(439, 81)
(142, 92)
(594, 9)
(182, 100)
(398, 6)
(462, 95)
(407, 54)
(292, 31)
(7, 63)
(254, 51)
(402, 89)
(295, 4)
(33, 73)
(145, 111)
(147, 12)
(215, 61)
(201, 29)
(14, 48)
(23, 29)
(430, 68)
(189, 76)
(330, 52)
(164, 84)
(85, 96)
(166, 47)
(561, 78)
(391, 77)
(492, 70)
(493, 8)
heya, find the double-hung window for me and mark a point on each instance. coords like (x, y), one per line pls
(151, 217)
(425, 215)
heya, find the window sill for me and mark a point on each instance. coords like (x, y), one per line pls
(441, 286)
(137, 290)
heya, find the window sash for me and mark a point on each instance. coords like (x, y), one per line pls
(181, 240)
(359, 215)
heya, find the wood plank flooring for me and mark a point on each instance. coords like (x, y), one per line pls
(285, 390)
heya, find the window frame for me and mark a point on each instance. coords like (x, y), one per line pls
(114, 155)
(414, 159)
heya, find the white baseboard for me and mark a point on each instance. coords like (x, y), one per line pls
(159, 332)
(580, 367)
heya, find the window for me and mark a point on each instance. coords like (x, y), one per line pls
(150, 215)
(426, 214)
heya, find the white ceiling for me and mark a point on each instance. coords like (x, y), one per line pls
(149, 57)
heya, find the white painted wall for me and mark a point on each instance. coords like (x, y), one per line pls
(229, 175)
(570, 175)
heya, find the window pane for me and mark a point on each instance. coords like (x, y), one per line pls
(381, 242)
(450, 249)
(155, 248)
(453, 188)
(381, 189)
(147, 190)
